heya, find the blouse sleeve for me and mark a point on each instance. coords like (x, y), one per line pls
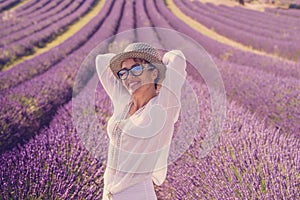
(111, 85)
(170, 92)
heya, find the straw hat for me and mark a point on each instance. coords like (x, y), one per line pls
(138, 50)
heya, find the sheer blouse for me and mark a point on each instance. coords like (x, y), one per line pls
(139, 144)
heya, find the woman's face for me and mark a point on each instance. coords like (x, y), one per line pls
(139, 84)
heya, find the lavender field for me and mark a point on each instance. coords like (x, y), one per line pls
(43, 155)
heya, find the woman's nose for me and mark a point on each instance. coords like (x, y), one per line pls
(130, 76)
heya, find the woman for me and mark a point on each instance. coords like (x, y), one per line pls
(145, 92)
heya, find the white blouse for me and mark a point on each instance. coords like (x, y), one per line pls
(139, 145)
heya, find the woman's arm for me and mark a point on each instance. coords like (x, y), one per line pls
(176, 71)
(112, 86)
(170, 92)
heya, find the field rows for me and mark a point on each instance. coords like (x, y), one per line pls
(21, 43)
(266, 32)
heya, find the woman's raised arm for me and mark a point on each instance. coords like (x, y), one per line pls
(112, 86)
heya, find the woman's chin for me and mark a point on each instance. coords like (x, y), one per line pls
(132, 90)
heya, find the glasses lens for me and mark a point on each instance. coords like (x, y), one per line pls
(123, 74)
(137, 70)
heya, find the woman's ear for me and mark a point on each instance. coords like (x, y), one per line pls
(154, 74)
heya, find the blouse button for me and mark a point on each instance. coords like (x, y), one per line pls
(109, 195)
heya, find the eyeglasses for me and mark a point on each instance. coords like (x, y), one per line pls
(135, 70)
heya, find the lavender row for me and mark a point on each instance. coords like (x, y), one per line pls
(126, 20)
(265, 24)
(41, 63)
(29, 6)
(259, 19)
(264, 27)
(256, 16)
(143, 20)
(286, 49)
(286, 12)
(20, 14)
(36, 7)
(29, 106)
(6, 5)
(249, 161)
(29, 22)
(26, 45)
(162, 17)
(273, 97)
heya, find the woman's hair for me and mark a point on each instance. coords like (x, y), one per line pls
(143, 61)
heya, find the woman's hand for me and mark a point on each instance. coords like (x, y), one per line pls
(172, 56)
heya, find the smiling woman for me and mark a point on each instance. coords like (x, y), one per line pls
(146, 100)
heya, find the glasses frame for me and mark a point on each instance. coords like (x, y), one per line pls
(131, 68)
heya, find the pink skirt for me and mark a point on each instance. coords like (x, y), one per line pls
(140, 191)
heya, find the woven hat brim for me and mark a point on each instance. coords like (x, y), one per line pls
(116, 61)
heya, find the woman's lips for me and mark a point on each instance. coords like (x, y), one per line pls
(133, 84)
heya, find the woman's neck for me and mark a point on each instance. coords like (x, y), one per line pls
(141, 98)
